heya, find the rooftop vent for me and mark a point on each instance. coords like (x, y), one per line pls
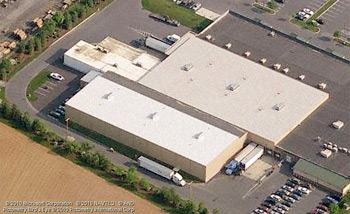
(199, 136)
(279, 106)
(102, 49)
(233, 86)
(322, 85)
(115, 65)
(209, 37)
(187, 67)
(109, 96)
(154, 116)
(228, 45)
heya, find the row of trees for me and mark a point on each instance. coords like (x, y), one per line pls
(5, 66)
(85, 153)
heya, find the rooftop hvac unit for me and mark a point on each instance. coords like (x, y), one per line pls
(338, 124)
(326, 153)
(209, 37)
(233, 86)
(188, 67)
(279, 106)
(301, 77)
(247, 54)
(199, 136)
(228, 45)
(285, 70)
(154, 116)
(322, 85)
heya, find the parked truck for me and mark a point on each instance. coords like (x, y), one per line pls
(165, 19)
(161, 170)
(232, 168)
(242, 154)
(252, 157)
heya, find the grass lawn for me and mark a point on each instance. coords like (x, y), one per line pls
(307, 25)
(35, 83)
(264, 8)
(184, 15)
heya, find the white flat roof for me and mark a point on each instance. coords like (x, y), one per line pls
(169, 128)
(251, 106)
(118, 57)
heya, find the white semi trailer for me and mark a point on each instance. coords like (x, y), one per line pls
(252, 157)
(161, 170)
(242, 154)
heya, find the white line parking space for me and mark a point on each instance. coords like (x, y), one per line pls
(339, 8)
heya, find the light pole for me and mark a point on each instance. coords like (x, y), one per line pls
(67, 120)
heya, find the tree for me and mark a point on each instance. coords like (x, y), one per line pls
(85, 147)
(169, 196)
(120, 172)
(50, 26)
(216, 211)
(90, 3)
(21, 47)
(190, 207)
(202, 209)
(39, 127)
(16, 115)
(74, 16)
(145, 184)
(30, 46)
(5, 65)
(3, 74)
(334, 209)
(38, 46)
(68, 20)
(104, 162)
(43, 38)
(26, 122)
(58, 18)
(70, 147)
(131, 176)
(5, 109)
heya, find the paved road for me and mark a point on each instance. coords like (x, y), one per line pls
(120, 21)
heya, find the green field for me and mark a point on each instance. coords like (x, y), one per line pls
(184, 15)
(35, 83)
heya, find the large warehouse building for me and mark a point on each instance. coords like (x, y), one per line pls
(266, 104)
(110, 55)
(153, 128)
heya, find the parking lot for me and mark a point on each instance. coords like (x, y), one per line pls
(53, 92)
(317, 68)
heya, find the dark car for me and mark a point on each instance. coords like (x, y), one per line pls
(320, 21)
(280, 1)
(299, 193)
(265, 204)
(335, 197)
(279, 193)
(271, 201)
(296, 197)
(326, 202)
(286, 203)
(293, 185)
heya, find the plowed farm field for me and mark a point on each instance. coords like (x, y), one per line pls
(30, 172)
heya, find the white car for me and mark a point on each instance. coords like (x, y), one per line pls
(276, 197)
(259, 211)
(304, 190)
(56, 76)
(173, 38)
(196, 6)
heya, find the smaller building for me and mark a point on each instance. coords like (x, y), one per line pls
(110, 55)
(318, 175)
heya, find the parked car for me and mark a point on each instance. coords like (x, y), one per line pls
(62, 108)
(266, 204)
(320, 21)
(196, 6)
(297, 192)
(304, 190)
(287, 204)
(294, 181)
(332, 199)
(56, 76)
(259, 211)
(289, 199)
(280, 1)
(271, 201)
(338, 198)
(291, 184)
(55, 114)
(322, 207)
(284, 207)
(279, 210)
(63, 113)
(296, 197)
(290, 189)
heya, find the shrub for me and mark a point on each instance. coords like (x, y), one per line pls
(131, 176)
(337, 34)
(272, 5)
(145, 184)
(119, 171)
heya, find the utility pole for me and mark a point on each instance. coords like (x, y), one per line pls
(67, 128)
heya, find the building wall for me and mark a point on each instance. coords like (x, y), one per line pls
(215, 166)
(202, 172)
(307, 177)
(78, 65)
(346, 189)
